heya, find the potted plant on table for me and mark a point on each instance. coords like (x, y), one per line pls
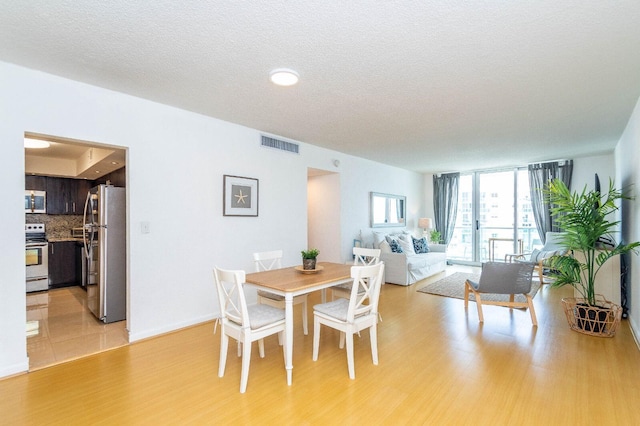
(583, 218)
(309, 258)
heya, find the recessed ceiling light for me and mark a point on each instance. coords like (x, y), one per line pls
(284, 77)
(114, 162)
(35, 143)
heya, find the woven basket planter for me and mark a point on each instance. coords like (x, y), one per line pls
(600, 320)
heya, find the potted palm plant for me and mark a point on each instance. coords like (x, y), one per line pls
(584, 218)
(309, 258)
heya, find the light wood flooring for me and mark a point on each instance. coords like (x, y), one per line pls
(438, 365)
(67, 329)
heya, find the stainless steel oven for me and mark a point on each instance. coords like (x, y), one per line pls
(36, 257)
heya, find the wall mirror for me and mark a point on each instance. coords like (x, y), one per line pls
(387, 210)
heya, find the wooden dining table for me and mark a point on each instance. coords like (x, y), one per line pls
(291, 282)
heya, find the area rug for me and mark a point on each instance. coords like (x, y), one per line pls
(453, 286)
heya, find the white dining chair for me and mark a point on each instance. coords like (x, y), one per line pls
(246, 324)
(350, 316)
(266, 261)
(361, 257)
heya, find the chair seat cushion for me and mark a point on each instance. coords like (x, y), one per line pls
(261, 315)
(336, 309)
(473, 284)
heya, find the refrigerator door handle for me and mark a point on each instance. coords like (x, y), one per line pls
(85, 227)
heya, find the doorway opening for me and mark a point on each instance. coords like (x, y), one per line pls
(323, 214)
(61, 325)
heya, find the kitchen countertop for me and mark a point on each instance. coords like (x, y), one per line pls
(61, 239)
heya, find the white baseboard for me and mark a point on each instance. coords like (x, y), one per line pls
(20, 367)
(154, 332)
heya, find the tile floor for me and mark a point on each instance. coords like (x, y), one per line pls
(67, 329)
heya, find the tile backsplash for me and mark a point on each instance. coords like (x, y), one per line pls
(57, 226)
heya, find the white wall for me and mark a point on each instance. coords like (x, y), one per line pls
(627, 157)
(176, 160)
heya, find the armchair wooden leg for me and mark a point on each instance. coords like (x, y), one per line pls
(466, 294)
(479, 304)
(532, 311)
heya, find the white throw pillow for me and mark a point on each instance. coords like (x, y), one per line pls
(378, 237)
(407, 247)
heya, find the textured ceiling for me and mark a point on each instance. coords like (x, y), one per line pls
(429, 86)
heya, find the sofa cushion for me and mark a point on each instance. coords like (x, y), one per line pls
(378, 237)
(420, 245)
(407, 246)
(394, 244)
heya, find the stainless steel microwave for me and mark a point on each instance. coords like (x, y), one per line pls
(35, 201)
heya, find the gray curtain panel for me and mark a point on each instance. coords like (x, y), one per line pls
(445, 203)
(540, 174)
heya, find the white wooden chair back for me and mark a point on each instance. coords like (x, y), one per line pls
(268, 260)
(233, 305)
(365, 256)
(365, 291)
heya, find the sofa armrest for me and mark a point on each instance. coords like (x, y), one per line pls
(438, 247)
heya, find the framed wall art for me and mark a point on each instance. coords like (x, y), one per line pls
(240, 196)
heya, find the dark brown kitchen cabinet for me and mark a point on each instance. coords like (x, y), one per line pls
(62, 264)
(66, 196)
(82, 189)
(35, 183)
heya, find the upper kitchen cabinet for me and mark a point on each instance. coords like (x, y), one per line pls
(115, 178)
(35, 183)
(66, 196)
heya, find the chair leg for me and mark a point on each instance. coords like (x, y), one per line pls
(316, 337)
(532, 311)
(280, 338)
(479, 305)
(224, 343)
(373, 336)
(261, 348)
(341, 344)
(246, 359)
(512, 298)
(466, 294)
(305, 326)
(352, 369)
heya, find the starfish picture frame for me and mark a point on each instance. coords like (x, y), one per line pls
(240, 196)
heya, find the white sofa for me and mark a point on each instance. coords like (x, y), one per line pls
(407, 268)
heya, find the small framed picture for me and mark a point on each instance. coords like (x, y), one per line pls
(240, 196)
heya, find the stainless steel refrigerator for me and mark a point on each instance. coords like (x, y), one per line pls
(105, 252)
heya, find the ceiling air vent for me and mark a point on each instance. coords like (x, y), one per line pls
(278, 144)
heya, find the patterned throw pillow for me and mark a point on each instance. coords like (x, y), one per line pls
(393, 243)
(420, 245)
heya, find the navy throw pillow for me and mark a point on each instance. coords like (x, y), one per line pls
(420, 245)
(395, 247)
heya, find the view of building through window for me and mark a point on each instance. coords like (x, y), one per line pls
(494, 217)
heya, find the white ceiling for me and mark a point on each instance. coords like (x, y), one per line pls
(425, 85)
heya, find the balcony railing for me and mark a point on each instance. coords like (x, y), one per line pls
(461, 247)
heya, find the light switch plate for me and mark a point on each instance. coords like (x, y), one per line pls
(145, 227)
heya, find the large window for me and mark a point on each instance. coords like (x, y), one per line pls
(494, 217)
